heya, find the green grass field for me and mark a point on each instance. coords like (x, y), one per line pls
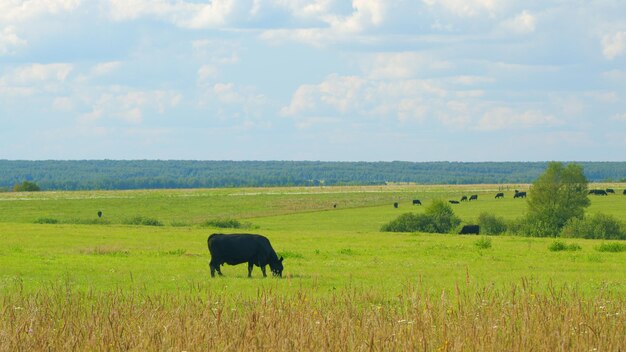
(330, 253)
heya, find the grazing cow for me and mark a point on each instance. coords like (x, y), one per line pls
(241, 248)
(463, 199)
(395, 205)
(610, 190)
(500, 195)
(519, 194)
(453, 201)
(335, 205)
(473, 197)
(99, 214)
(598, 192)
(417, 202)
(624, 192)
(470, 230)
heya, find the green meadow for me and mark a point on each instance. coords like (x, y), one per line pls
(72, 281)
(325, 248)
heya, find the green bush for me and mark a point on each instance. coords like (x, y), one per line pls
(535, 227)
(558, 246)
(437, 218)
(140, 220)
(46, 221)
(483, 242)
(598, 226)
(611, 247)
(223, 223)
(491, 224)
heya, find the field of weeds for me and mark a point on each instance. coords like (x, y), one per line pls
(83, 284)
(518, 318)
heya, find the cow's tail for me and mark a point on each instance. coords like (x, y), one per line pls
(208, 241)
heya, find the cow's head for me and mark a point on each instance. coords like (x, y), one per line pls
(277, 267)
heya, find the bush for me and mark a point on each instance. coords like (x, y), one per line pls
(228, 224)
(598, 226)
(558, 246)
(535, 227)
(611, 247)
(483, 242)
(438, 218)
(26, 187)
(46, 221)
(491, 224)
(140, 220)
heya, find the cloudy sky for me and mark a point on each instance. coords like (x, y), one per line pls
(360, 80)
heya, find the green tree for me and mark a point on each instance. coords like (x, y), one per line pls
(26, 186)
(559, 194)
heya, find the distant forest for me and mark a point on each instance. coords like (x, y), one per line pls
(150, 174)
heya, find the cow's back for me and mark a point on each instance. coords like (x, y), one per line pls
(238, 248)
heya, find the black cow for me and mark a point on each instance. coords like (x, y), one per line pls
(417, 202)
(395, 205)
(610, 190)
(598, 192)
(463, 199)
(624, 192)
(470, 230)
(473, 197)
(500, 195)
(335, 205)
(241, 248)
(519, 194)
(453, 201)
(99, 214)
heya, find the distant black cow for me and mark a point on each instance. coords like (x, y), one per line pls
(99, 214)
(519, 194)
(500, 195)
(453, 201)
(470, 230)
(417, 202)
(610, 190)
(624, 192)
(241, 248)
(463, 199)
(335, 205)
(473, 197)
(598, 192)
(395, 205)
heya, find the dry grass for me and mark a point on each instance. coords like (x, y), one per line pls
(517, 319)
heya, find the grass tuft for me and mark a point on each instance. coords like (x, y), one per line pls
(558, 246)
(613, 247)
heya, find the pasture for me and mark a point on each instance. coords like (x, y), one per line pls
(83, 282)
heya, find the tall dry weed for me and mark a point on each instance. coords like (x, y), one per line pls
(517, 319)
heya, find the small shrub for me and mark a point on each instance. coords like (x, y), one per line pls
(46, 221)
(558, 246)
(223, 223)
(140, 220)
(491, 224)
(438, 218)
(176, 223)
(598, 226)
(611, 247)
(483, 242)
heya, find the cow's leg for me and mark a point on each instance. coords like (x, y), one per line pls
(263, 270)
(215, 267)
(250, 266)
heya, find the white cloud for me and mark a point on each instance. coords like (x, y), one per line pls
(523, 23)
(105, 68)
(619, 117)
(613, 45)
(37, 73)
(615, 75)
(467, 8)
(128, 105)
(9, 40)
(401, 65)
(505, 118)
(184, 14)
(12, 11)
(62, 104)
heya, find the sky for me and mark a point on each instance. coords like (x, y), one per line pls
(330, 80)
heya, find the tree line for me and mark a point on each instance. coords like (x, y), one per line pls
(155, 174)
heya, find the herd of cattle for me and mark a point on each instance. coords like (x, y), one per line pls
(256, 250)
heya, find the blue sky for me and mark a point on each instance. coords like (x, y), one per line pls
(361, 80)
